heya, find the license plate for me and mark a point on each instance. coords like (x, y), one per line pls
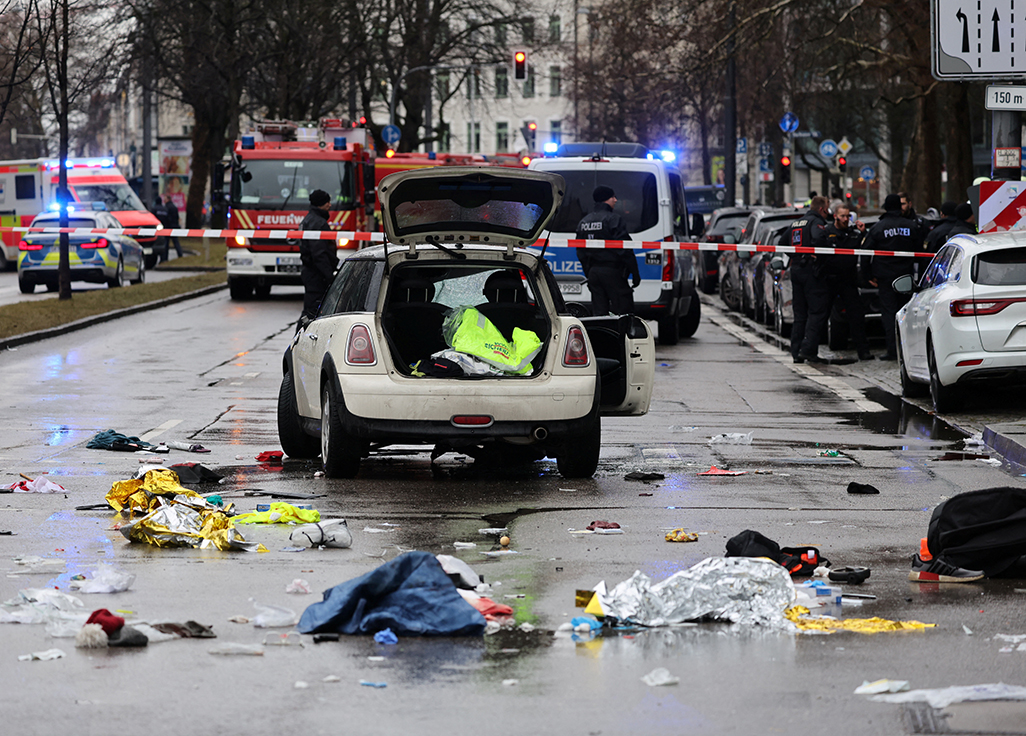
(290, 261)
(653, 259)
(289, 269)
(570, 288)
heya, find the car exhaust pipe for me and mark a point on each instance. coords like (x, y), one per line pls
(540, 433)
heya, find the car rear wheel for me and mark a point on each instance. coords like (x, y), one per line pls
(837, 332)
(669, 330)
(262, 291)
(689, 322)
(340, 453)
(945, 398)
(909, 388)
(728, 294)
(119, 276)
(26, 286)
(151, 260)
(140, 276)
(579, 454)
(781, 327)
(294, 441)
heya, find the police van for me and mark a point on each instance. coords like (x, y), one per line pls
(650, 198)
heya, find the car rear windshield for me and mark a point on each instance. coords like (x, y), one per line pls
(728, 224)
(636, 194)
(72, 222)
(1001, 267)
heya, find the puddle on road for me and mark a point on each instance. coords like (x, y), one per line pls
(903, 419)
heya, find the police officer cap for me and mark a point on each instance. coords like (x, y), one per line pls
(602, 194)
(964, 211)
(948, 208)
(892, 202)
(319, 198)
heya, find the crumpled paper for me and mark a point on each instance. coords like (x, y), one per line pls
(742, 590)
(42, 606)
(105, 579)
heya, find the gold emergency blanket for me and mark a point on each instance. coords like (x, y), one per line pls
(797, 615)
(174, 516)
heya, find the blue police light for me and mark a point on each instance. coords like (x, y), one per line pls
(340, 143)
(550, 147)
(432, 156)
(668, 156)
(248, 141)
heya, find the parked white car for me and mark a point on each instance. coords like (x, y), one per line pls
(371, 370)
(966, 320)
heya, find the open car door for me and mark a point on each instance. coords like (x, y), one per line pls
(625, 351)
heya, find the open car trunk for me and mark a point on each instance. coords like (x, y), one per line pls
(426, 305)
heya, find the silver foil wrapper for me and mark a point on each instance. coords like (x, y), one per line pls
(741, 590)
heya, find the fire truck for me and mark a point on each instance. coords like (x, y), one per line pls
(274, 169)
(29, 186)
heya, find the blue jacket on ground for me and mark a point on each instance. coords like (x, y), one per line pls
(411, 595)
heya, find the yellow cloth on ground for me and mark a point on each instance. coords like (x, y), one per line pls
(281, 513)
(139, 493)
(797, 615)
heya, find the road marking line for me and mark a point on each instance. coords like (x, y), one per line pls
(157, 431)
(835, 385)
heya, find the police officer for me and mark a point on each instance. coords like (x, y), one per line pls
(607, 268)
(842, 277)
(939, 235)
(319, 257)
(893, 231)
(965, 221)
(811, 300)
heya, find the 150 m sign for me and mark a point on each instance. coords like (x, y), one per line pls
(1001, 97)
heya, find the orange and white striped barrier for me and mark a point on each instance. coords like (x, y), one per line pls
(355, 238)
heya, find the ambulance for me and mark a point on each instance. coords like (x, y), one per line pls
(29, 186)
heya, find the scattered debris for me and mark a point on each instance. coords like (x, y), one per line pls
(105, 579)
(298, 586)
(716, 471)
(943, 697)
(680, 535)
(961, 456)
(638, 475)
(862, 488)
(386, 636)
(186, 446)
(110, 439)
(326, 533)
(731, 438)
(798, 616)
(43, 656)
(40, 484)
(272, 617)
(232, 648)
(270, 456)
(602, 526)
(368, 683)
(660, 676)
(881, 686)
(280, 512)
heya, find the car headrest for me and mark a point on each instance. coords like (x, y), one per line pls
(414, 291)
(506, 287)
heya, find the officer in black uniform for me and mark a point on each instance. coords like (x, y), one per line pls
(939, 235)
(893, 231)
(811, 300)
(607, 268)
(841, 273)
(965, 221)
(319, 257)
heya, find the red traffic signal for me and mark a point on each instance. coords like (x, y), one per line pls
(785, 160)
(841, 162)
(520, 65)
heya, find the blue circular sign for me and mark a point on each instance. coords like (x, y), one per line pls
(391, 134)
(867, 173)
(789, 123)
(828, 149)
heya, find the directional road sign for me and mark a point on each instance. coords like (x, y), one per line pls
(789, 123)
(867, 172)
(827, 149)
(741, 146)
(391, 134)
(971, 40)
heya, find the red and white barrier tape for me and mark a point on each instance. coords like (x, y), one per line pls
(367, 237)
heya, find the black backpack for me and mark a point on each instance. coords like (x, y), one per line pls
(980, 530)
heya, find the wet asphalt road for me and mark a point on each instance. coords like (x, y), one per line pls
(208, 371)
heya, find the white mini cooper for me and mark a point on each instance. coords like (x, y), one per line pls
(453, 334)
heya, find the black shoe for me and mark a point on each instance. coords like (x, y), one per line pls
(938, 571)
(811, 358)
(866, 355)
(798, 359)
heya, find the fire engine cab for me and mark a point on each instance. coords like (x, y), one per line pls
(274, 169)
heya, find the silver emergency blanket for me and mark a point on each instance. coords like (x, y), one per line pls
(741, 590)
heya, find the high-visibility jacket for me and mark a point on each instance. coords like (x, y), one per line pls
(470, 332)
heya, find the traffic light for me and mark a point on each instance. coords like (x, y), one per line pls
(785, 169)
(520, 65)
(842, 162)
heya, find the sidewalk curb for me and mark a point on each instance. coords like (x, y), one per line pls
(30, 337)
(1005, 446)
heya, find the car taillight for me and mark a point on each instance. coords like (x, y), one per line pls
(667, 265)
(101, 243)
(25, 245)
(979, 307)
(472, 420)
(576, 352)
(359, 348)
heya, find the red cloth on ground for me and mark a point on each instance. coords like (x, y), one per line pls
(107, 620)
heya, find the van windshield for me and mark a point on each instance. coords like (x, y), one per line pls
(116, 197)
(280, 184)
(636, 194)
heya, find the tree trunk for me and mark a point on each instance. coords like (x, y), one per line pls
(921, 179)
(959, 142)
(200, 174)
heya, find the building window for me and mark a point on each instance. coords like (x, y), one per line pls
(442, 85)
(527, 30)
(556, 131)
(500, 34)
(502, 82)
(554, 29)
(474, 84)
(529, 83)
(474, 137)
(501, 137)
(555, 81)
(444, 138)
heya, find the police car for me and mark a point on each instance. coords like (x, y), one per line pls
(455, 336)
(650, 195)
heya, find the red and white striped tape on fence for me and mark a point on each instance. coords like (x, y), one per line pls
(354, 237)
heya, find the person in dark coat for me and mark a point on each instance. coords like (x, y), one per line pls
(939, 235)
(965, 221)
(172, 222)
(607, 269)
(811, 301)
(319, 257)
(840, 272)
(893, 231)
